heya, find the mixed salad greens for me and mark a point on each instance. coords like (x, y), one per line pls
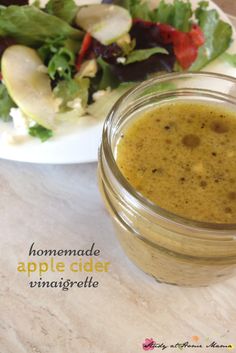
(63, 61)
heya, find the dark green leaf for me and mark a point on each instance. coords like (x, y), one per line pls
(31, 26)
(108, 79)
(64, 9)
(6, 103)
(59, 56)
(70, 90)
(41, 132)
(218, 36)
(52, 46)
(143, 54)
(62, 64)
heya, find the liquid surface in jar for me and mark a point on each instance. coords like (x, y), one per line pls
(182, 157)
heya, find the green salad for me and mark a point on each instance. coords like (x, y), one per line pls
(62, 61)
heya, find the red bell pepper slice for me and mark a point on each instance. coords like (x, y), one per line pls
(87, 41)
(197, 36)
(184, 48)
(167, 33)
(185, 44)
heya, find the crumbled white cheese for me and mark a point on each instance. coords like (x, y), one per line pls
(21, 124)
(121, 60)
(89, 68)
(20, 121)
(75, 104)
(97, 95)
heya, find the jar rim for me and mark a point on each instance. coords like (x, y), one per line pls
(127, 188)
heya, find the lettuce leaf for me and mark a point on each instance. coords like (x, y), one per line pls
(61, 64)
(139, 9)
(51, 47)
(31, 26)
(6, 103)
(143, 54)
(177, 14)
(64, 9)
(218, 36)
(182, 15)
(202, 6)
(59, 56)
(41, 132)
(164, 13)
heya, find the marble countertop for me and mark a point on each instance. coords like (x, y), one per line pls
(59, 207)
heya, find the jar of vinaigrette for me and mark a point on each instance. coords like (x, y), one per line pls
(167, 173)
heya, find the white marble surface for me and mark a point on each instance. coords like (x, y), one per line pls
(60, 207)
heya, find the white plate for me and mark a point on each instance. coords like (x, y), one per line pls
(78, 143)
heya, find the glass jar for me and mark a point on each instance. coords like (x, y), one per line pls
(170, 248)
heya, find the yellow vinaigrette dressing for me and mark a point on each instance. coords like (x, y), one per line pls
(182, 157)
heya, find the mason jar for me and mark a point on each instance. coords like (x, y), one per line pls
(168, 247)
